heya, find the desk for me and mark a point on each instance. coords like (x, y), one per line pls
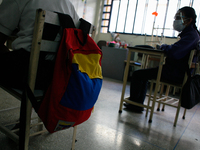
(145, 51)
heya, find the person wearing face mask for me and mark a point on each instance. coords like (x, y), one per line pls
(178, 23)
(177, 56)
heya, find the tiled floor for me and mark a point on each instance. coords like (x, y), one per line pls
(108, 130)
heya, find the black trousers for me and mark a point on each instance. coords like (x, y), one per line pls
(14, 69)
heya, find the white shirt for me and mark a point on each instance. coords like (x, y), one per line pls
(21, 14)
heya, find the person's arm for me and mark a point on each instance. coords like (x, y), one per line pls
(181, 48)
(3, 39)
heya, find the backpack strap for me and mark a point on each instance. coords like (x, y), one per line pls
(84, 37)
(67, 22)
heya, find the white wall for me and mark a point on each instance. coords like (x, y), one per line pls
(91, 12)
(79, 6)
(87, 11)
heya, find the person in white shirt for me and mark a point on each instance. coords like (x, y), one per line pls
(19, 15)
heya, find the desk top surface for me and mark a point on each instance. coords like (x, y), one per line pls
(145, 49)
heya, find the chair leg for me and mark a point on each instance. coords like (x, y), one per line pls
(25, 118)
(177, 113)
(11, 135)
(154, 101)
(125, 81)
(40, 127)
(166, 94)
(161, 92)
(174, 91)
(149, 99)
(184, 114)
(74, 137)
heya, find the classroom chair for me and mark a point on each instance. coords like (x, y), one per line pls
(101, 43)
(39, 43)
(166, 99)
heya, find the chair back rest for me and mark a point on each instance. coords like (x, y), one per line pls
(46, 22)
(48, 30)
(101, 43)
(192, 53)
(198, 52)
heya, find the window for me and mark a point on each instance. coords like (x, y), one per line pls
(135, 16)
(106, 16)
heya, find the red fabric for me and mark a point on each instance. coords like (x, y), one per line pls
(50, 110)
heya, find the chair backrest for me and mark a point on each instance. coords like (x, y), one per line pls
(48, 22)
(101, 43)
(194, 57)
(192, 53)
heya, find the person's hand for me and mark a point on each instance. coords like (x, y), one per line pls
(157, 46)
(162, 47)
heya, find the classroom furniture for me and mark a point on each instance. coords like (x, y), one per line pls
(113, 62)
(101, 43)
(38, 44)
(145, 51)
(168, 100)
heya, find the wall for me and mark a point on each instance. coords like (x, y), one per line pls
(90, 11)
(86, 11)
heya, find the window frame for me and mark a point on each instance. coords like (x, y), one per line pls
(174, 34)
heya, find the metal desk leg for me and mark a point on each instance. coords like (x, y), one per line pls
(125, 80)
(157, 87)
(74, 137)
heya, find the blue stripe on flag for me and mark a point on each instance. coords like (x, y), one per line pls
(82, 92)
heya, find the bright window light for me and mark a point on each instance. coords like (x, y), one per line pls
(135, 16)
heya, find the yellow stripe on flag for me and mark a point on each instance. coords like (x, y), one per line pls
(89, 64)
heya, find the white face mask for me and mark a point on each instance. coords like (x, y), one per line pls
(178, 25)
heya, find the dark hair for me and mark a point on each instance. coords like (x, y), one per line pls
(189, 12)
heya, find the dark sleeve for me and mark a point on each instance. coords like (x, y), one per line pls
(181, 48)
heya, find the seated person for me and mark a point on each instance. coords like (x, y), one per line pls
(20, 15)
(177, 56)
